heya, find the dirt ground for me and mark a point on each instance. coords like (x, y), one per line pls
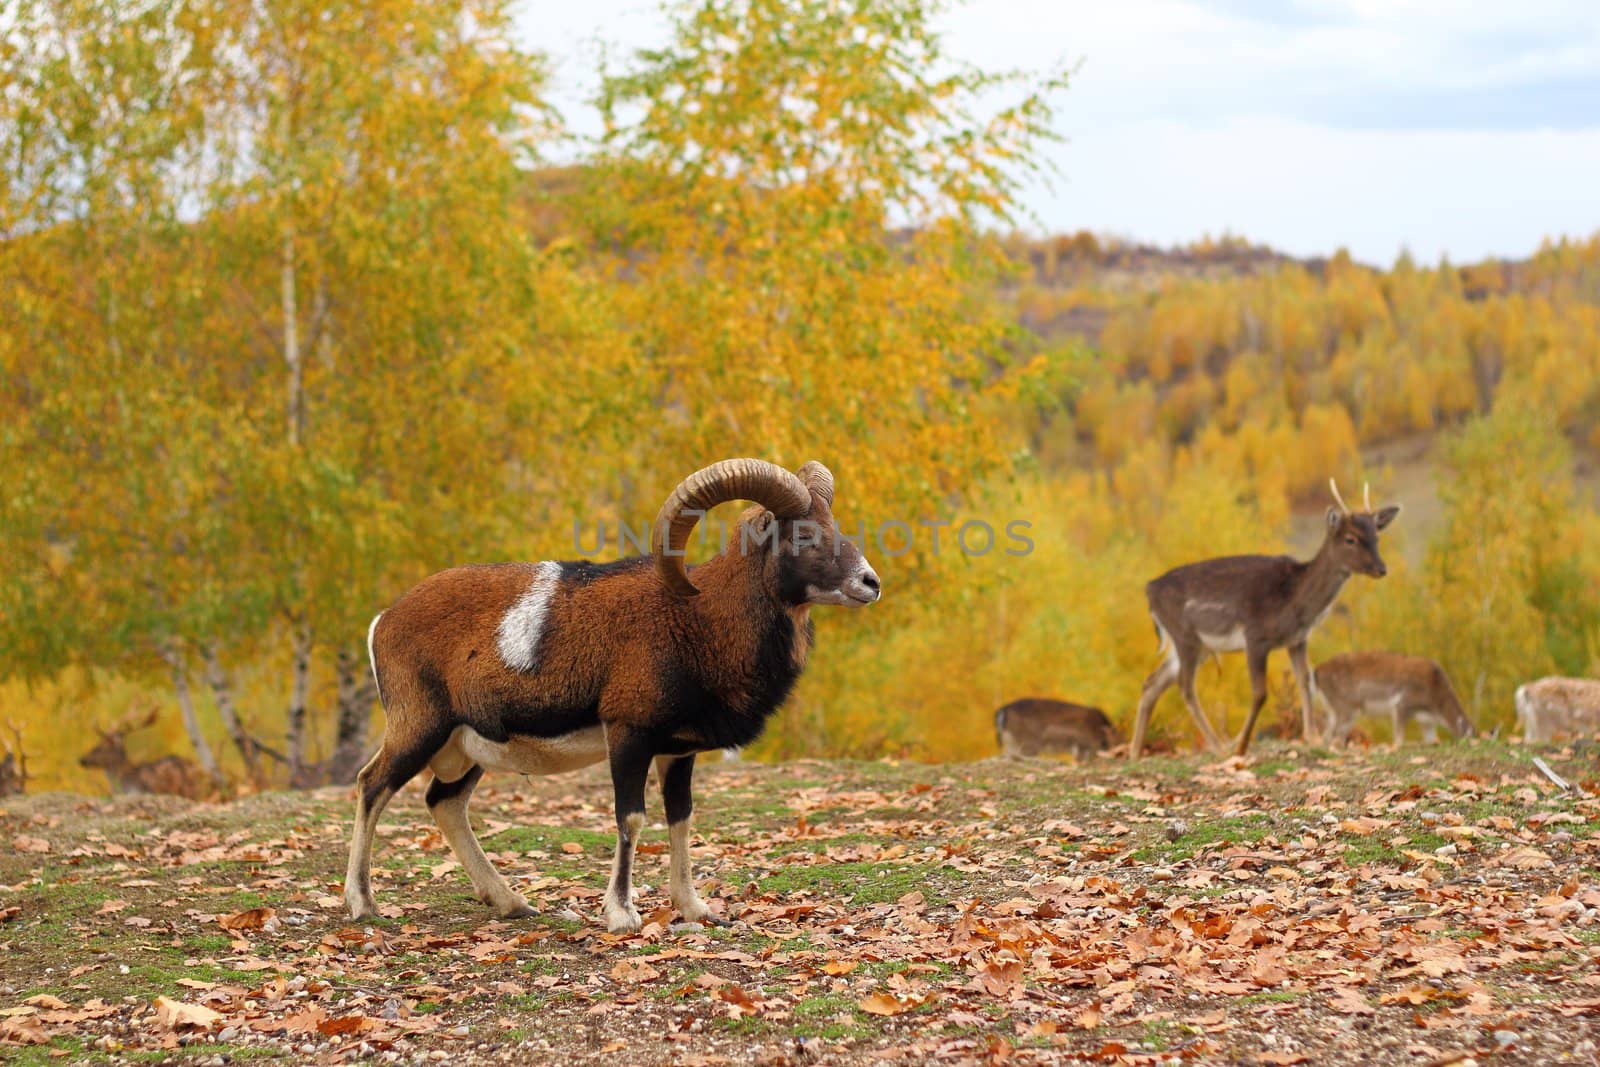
(1437, 905)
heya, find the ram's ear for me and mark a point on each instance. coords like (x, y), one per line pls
(1386, 515)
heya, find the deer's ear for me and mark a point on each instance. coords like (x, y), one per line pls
(1386, 515)
(1334, 515)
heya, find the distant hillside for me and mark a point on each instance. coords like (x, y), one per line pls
(1344, 364)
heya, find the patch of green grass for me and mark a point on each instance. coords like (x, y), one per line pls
(1272, 766)
(820, 1016)
(884, 968)
(1243, 829)
(1271, 996)
(208, 943)
(864, 883)
(549, 839)
(1157, 1034)
(523, 1003)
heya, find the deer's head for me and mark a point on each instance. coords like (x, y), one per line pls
(112, 751)
(1353, 535)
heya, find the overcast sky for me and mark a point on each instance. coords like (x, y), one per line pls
(1464, 128)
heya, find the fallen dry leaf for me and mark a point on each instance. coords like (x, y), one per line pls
(253, 919)
(177, 1015)
(634, 971)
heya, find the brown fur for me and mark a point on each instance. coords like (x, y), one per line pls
(1268, 602)
(598, 647)
(1552, 707)
(14, 766)
(171, 775)
(663, 675)
(1403, 687)
(1036, 726)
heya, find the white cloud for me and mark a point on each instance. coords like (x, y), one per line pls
(1459, 127)
(1309, 189)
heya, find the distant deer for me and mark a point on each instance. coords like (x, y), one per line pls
(14, 766)
(1254, 604)
(1554, 706)
(170, 774)
(1387, 683)
(1035, 726)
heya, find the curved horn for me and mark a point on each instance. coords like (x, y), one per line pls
(768, 484)
(1335, 487)
(819, 480)
(1366, 497)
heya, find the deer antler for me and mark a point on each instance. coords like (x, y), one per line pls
(1366, 496)
(1335, 487)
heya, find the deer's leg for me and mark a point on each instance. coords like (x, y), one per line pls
(630, 766)
(1159, 682)
(447, 801)
(1302, 681)
(1188, 668)
(1257, 659)
(677, 775)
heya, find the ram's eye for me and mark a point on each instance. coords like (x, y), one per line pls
(1349, 540)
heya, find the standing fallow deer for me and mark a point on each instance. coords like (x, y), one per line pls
(1254, 604)
(1555, 706)
(1387, 683)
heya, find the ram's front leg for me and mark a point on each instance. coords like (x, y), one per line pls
(630, 766)
(677, 776)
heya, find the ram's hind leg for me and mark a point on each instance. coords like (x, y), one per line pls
(677, 776)
(447, 801)
(382, 777)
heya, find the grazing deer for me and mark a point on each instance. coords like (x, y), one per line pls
(1254, 604)
(1377, 683)
(170, 774)
(1554, 706)
(1035, 726)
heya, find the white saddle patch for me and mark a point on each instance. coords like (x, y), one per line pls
(522, 626)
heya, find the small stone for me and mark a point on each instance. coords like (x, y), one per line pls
(1161, 874)
(1176, 828)
(459, 1031)
(1505, 1038)
(227, 1034)
(1445, 850)
(568, 915)
(686, 928)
